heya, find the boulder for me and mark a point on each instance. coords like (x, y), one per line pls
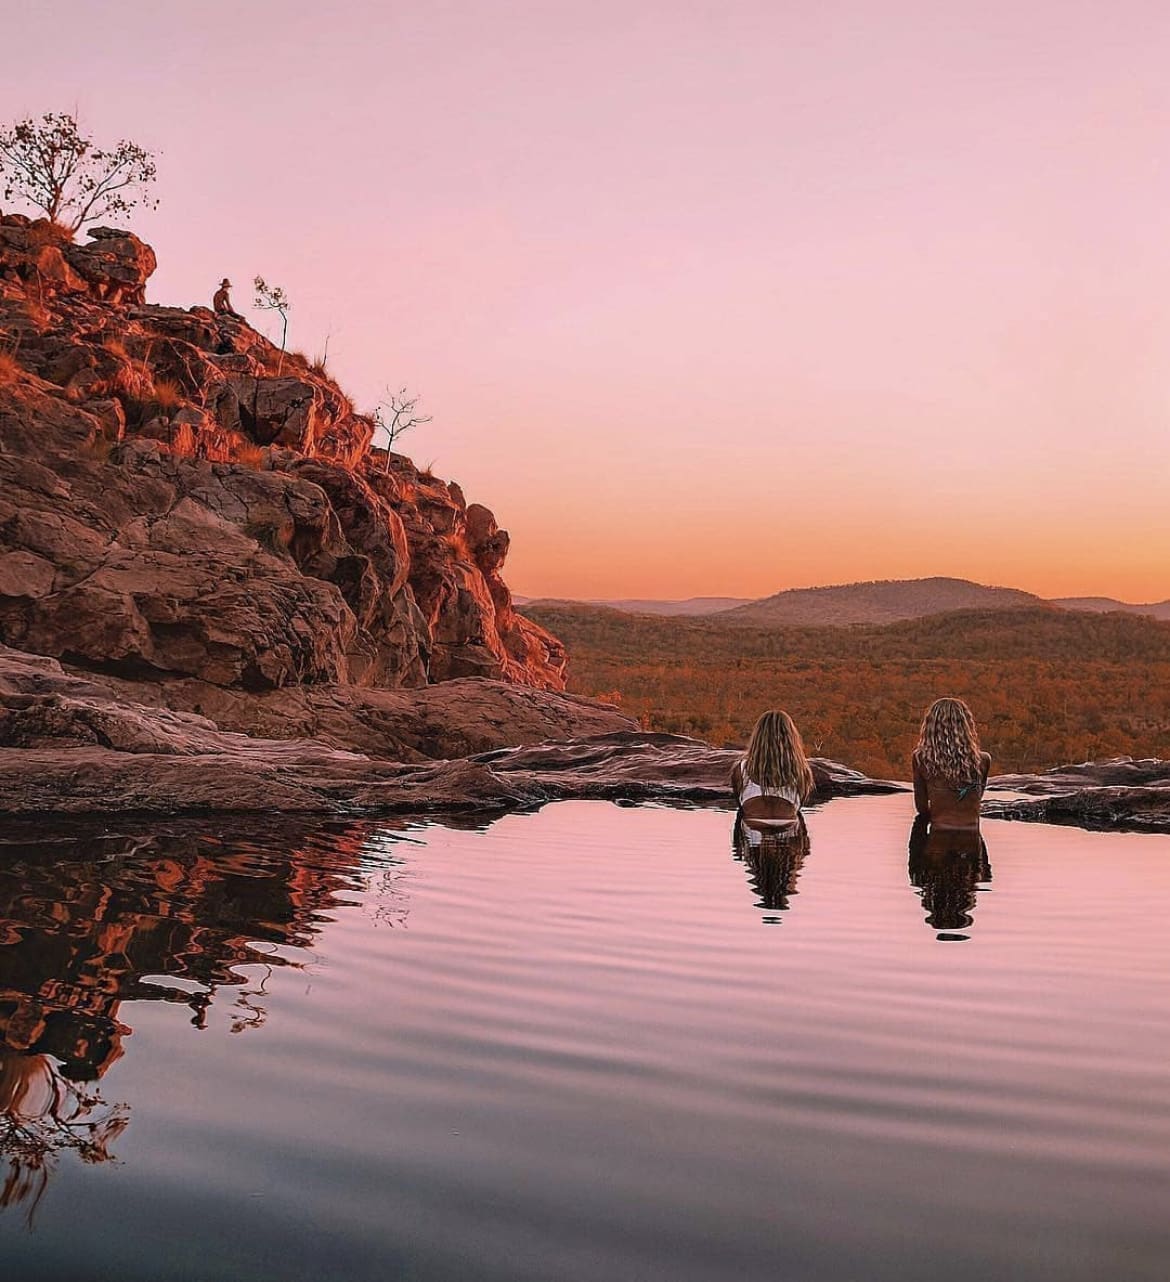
(116, 265)
(1123, 794)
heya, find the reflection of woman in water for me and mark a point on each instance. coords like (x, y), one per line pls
(772, 780)
(950, 768)
(773, 858)
(947, 865)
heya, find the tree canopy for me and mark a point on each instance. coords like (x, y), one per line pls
(50, 164)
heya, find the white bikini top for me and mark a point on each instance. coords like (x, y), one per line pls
(749, 789)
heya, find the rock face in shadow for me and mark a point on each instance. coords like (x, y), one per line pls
(44, 708)
(182, 502)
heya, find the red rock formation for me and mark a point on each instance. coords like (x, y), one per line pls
(185, 507)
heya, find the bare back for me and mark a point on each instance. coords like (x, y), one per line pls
(944, 804)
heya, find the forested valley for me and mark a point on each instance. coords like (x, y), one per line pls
(1047, 686)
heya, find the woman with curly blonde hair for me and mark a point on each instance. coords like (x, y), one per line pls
(772, 780)
(950, 768)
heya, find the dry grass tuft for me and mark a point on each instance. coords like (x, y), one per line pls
(125, 383)
(249, 455)
(10, 367)
(116, 347)
(42, 232)
(168, 394)
(140, 410)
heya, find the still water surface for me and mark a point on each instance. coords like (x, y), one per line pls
(589, 1043)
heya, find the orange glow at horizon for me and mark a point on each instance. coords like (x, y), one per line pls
(654, 573)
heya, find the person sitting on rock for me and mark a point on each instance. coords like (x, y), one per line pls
(221, 304)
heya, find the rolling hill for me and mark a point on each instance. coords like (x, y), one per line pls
(883, 601)
(693, 607)
(1107, 604)
(850, 604)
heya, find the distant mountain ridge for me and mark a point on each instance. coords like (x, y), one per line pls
(873, 602)
(1107, 604)
(692, 607)
(880, 601)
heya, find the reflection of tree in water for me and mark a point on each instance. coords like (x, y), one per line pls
(947, 865)
(43, 1114)
(773, 859)
(91, 920)
(387, 879)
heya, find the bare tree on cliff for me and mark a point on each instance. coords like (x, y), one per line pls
(272, 298)
(398, 413)
(53, 166)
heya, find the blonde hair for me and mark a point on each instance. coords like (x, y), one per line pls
(948, 743)
(775, 755)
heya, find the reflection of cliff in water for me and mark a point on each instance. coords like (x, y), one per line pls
(91, 921)
(947, 865)
(773, 859)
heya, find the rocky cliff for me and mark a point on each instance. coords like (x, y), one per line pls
(205, 522)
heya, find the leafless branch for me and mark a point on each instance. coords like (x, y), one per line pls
(396, 414)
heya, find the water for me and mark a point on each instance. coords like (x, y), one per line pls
(588, 1043)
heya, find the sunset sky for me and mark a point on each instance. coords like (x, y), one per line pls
(704, 298)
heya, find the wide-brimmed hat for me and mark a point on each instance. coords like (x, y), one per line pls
(225, 283)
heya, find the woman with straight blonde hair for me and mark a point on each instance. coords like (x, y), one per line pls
(950, 768)
(772, 780)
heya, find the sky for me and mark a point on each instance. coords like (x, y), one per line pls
(714, 297)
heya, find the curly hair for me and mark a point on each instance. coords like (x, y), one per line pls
(775, 755)
(948, 743)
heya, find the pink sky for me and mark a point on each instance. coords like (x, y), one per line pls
(704, 297)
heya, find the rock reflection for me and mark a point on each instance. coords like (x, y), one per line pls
(947, 865)
(773, 859)
(91, 920)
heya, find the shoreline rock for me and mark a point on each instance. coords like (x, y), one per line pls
(299, 777)
(1122, 795)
